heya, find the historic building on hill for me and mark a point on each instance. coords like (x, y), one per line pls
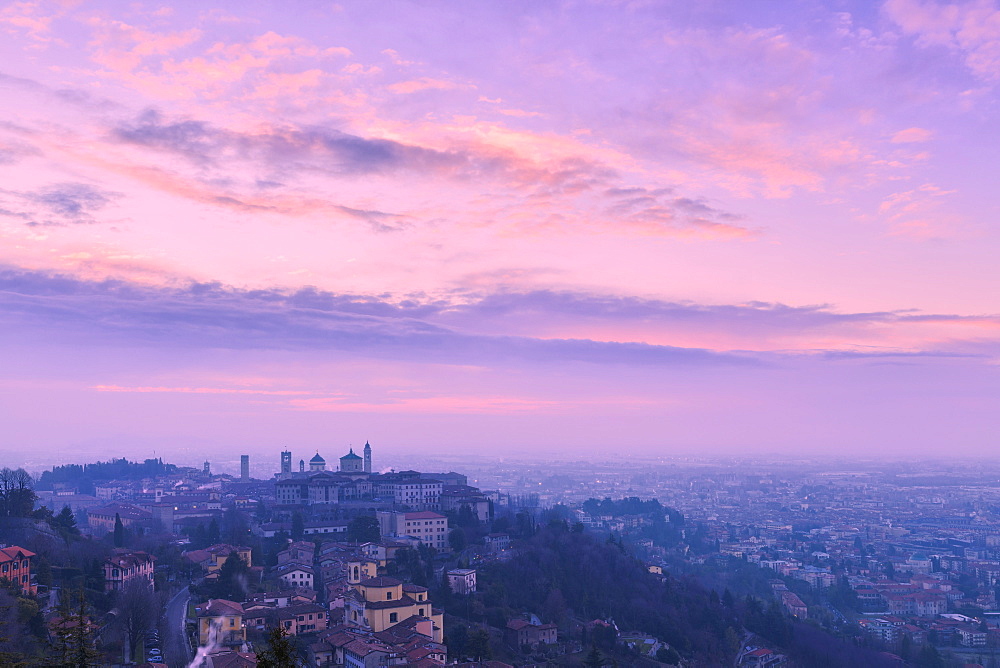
(354, 481)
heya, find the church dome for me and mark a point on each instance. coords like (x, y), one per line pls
(350, 455)
(317, 460)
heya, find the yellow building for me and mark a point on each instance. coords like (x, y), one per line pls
(381, 602)
(212, 558)
(222, 618)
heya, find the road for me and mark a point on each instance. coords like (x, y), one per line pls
(176, 649)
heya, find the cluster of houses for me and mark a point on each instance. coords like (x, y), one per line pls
(368, 620)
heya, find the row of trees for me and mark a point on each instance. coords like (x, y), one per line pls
(17, 496)
(84, 476)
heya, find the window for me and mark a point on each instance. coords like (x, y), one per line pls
(388, 596)
(420, 612)
(232, 621)
(393, 617)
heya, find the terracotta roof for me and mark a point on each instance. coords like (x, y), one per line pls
(128, 559)
(220, 606)
(14, 553)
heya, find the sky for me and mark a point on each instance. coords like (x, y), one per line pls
(623, 228)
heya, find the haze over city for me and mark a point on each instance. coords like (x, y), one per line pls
(550, 228)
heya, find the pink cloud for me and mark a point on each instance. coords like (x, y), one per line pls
(421, 84)
(912, 136)
(970, 28)
(196, 390)
(26, 17)
(289, 86)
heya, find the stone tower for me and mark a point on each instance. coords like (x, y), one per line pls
(368, 457)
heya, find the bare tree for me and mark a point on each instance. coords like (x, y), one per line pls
(17, 496)
(137, 609)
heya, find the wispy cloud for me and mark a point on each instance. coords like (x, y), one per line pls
(970, 29)
(57, 204)
(208, 316)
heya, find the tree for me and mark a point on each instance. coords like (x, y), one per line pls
(594, 658)
(668, 655)
(136, 611)
(930, 658)
(119, 531)
(299, 526)
(214, 535)
(444, 594)
(364, 529)
(232, 582)
(73, 644)
(14, 649)
(467, 518)
(554, 607)
(65, 524)
(200, 537)
(279, 651)
(235, 526)
(479, 645)
(457, 640)
(456, 539)
(17, 498)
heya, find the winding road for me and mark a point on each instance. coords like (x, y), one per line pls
(176, 649)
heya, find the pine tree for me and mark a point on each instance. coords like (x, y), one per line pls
(73, 642)
(594, 658)
(214, 535)
(299, 526)
(479, 645)
(279, 651)
(119, 531)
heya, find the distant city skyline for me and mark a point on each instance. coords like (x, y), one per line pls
(657, 228)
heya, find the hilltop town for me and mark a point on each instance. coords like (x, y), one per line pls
(153, 563)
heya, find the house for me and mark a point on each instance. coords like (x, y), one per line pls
(520, 632)
(123, 566)
(212, 558)
(381, 602)
(285, 597)
(302, 618)
(794, 604)
(15, 566)
(296, 575)
(300, 551)
(222, 621)
(462, 580)
(102, 518)
(326, 527)
(761, 658)
(497, 542)
(426, 526)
